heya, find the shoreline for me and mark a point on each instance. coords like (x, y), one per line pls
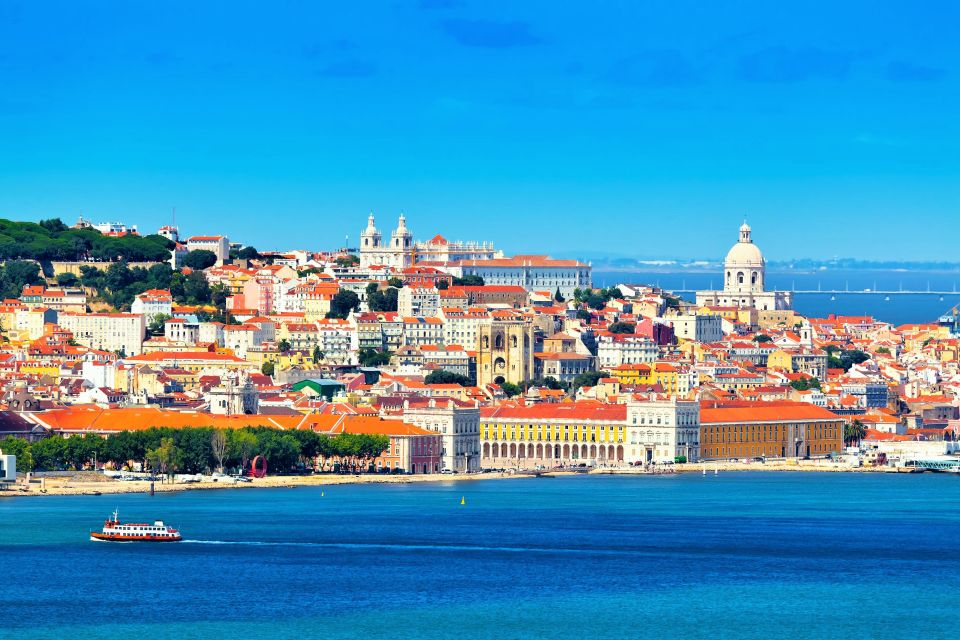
(67, 486)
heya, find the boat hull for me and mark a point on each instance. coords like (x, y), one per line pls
(103, 537)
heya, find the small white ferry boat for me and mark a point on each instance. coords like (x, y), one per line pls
(116, 531)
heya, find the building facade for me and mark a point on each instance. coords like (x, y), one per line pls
(776, 429)
(744, 280)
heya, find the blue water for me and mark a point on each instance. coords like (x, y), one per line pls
(738, 555)
(899, 309)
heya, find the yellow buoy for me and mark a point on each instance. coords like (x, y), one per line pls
(463, 500)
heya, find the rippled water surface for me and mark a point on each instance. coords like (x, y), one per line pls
(739, 555)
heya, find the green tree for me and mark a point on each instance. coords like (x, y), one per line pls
(157, 324)
(317, 355)
(622, 327)
(196, 290)
(199, 259)
(442, 285)
(268, 369)
(558, 296)
(583, 314)
(440, 376)
(20, 448)
(854, 432)
(343, 302)
(166, 458)
(588, 379)
(396, 283)
(373, 358)
(67, 279)
(284, 345)
(761, 338)
(510, 389)
(241, 446)
(468, 281)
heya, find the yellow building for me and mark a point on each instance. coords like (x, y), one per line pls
(780, 359)
(549, 433)
(627, 374)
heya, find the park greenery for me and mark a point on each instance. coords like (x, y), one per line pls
(805, 384)
(844, 358)
(380, 301)
(448, 377)
(52, 240)
(342, 303)
(622, 327)
(199, 449)
(468, 281)
(596, 298)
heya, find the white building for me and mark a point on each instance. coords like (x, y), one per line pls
(219, 245)
(179, 330)
(744, 280)
(661, 430)
(152, 304)
(414, 300)
(117, 332)
(616, 349)
(532, 272)
(457, 422)
(398, 253)
(699, 328)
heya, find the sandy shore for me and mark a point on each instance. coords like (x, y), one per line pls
(91, 484)
(81, 485)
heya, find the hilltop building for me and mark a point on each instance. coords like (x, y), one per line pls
(744, 280)
(401, 252)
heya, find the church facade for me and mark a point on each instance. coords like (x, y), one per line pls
(398, 252)
(744, 280)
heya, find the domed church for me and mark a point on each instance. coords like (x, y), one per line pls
(744, 275)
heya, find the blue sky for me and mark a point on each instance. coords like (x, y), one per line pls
(645, 129)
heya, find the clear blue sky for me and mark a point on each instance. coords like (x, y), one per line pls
(647, 129)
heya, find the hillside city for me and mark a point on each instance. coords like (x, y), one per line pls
(129, 351)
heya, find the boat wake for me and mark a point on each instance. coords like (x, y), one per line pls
(414, 547)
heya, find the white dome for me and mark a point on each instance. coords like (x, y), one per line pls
(745, 254)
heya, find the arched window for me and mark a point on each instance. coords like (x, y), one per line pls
(740, 277)
(513, 341)
(498, 342)
(753, 278)
(728, 277)
(486, 342)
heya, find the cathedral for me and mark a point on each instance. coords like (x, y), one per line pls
(399, 253)
(744, 280)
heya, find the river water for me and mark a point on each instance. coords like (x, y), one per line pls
(737, 555)
(894, 308)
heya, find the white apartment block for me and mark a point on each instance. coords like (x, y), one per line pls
(219, 245)
(617, 349)
(699, 328)
(413, 300)
(661, 430)
(116, 332)
(179, 330)
(462, 326)
(153, 303)
(534, 273)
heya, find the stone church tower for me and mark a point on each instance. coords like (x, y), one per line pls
(504, 352)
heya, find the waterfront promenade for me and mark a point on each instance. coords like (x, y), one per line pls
(88, 483)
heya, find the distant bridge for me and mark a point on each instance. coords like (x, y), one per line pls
(867, 292)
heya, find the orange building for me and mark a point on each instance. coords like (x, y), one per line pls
(779, 429)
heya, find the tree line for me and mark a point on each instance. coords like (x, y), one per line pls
(53, 240)
(199, 449)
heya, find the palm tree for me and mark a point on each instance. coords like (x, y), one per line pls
(854, 431)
